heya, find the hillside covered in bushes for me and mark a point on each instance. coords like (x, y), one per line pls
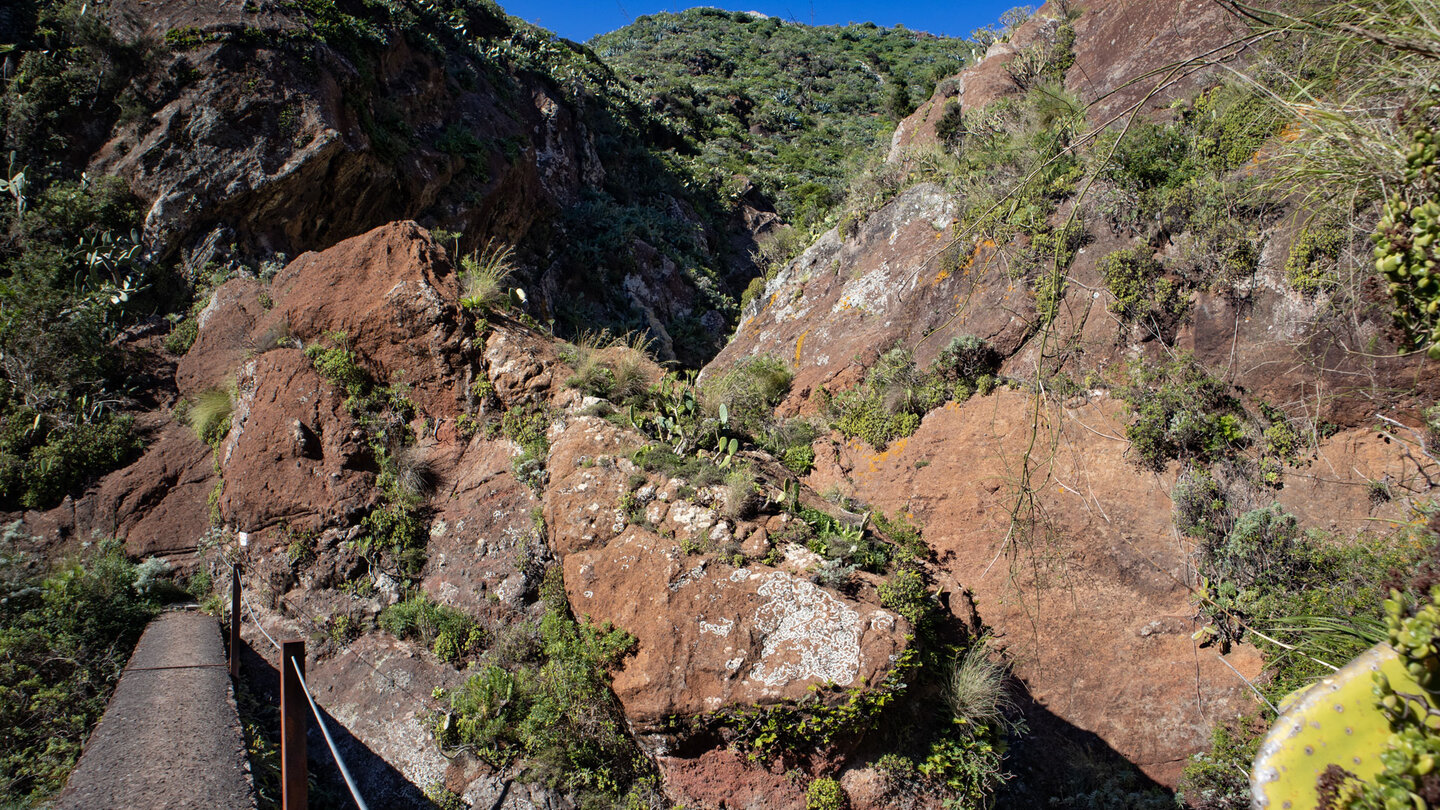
(730, 412)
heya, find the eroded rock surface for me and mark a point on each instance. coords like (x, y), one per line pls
(294, 453)
(712, 635)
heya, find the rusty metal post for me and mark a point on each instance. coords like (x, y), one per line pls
(293, 708)
(235, 622)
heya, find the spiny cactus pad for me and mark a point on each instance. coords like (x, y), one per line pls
(1335, 721)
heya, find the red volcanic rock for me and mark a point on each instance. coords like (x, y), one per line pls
(226, 334)
(712, 635)
(394, 294)
(482, 532)
(1093, 607)
(1123, 50)
(589, 471)
(522, 366)
(294, 453)
(722, 778)
(160, 504)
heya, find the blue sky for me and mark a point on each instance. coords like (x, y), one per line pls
(582, 20)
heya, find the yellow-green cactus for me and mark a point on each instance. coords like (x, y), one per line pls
(1335, 721)
(1366, 737)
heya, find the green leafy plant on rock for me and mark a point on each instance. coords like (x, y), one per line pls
(1407, 246)
(1179, 412)
(450, 634)
(825, 793)
(556, 714)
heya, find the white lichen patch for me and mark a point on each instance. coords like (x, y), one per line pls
(809, 634)
(691, 518)
(721, 628)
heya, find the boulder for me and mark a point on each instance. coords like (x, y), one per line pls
(1091, 602)
(394, 295)
(294, 454)
(711, 635)
(484, 551)
(589, 471)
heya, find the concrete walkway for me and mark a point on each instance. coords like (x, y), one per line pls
(170, 737)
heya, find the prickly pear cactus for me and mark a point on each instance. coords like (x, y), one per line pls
(1366, 736)
(1335, 721)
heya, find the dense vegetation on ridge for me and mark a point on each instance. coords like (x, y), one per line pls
(795, 108)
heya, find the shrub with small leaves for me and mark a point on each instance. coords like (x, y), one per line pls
(1141, 292)
(450, 634)
(825, 793)
(906, 594)
(1310, 267)
(1179, 412)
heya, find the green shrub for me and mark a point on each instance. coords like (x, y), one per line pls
(560, 716)
(862, 414)
(845, 545)
(1140, 290)
(968, 765)
(1231, 123)
(450, 634)
(182, 336)
(42, 460)
(950, 128)
(825, 793)
(1049, 291)
(339, 365)
(1219, 779)
(896, 394)
(1259, 551)
(1179, 412)
(905, 593)
(396, 531)
(753, 291)
(1201, 510)
(750, 391)
(1311, 265)
(798, 459)
(527, 426)
(699, 472)
(1150, 156)
(65, 635)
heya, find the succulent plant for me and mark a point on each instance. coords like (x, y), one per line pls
(1364, 737)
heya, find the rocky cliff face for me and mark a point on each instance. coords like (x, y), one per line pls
(299, 463)
(1043, 526)
(250, 131)
(1032, 497)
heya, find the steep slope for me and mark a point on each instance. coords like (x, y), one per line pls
(793, 108)
(1125, 310)
(250, 131)
(459, 497)
(1091, 410)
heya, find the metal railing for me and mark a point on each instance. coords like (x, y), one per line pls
(294, 786)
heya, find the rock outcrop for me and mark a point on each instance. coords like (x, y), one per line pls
(713, 635)
(1130, 56)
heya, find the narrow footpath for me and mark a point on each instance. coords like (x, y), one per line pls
(170, 737)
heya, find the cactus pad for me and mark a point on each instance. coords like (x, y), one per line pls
(1334, 722)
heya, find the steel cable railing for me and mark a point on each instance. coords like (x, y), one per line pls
(295, 664)
(330, 741)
